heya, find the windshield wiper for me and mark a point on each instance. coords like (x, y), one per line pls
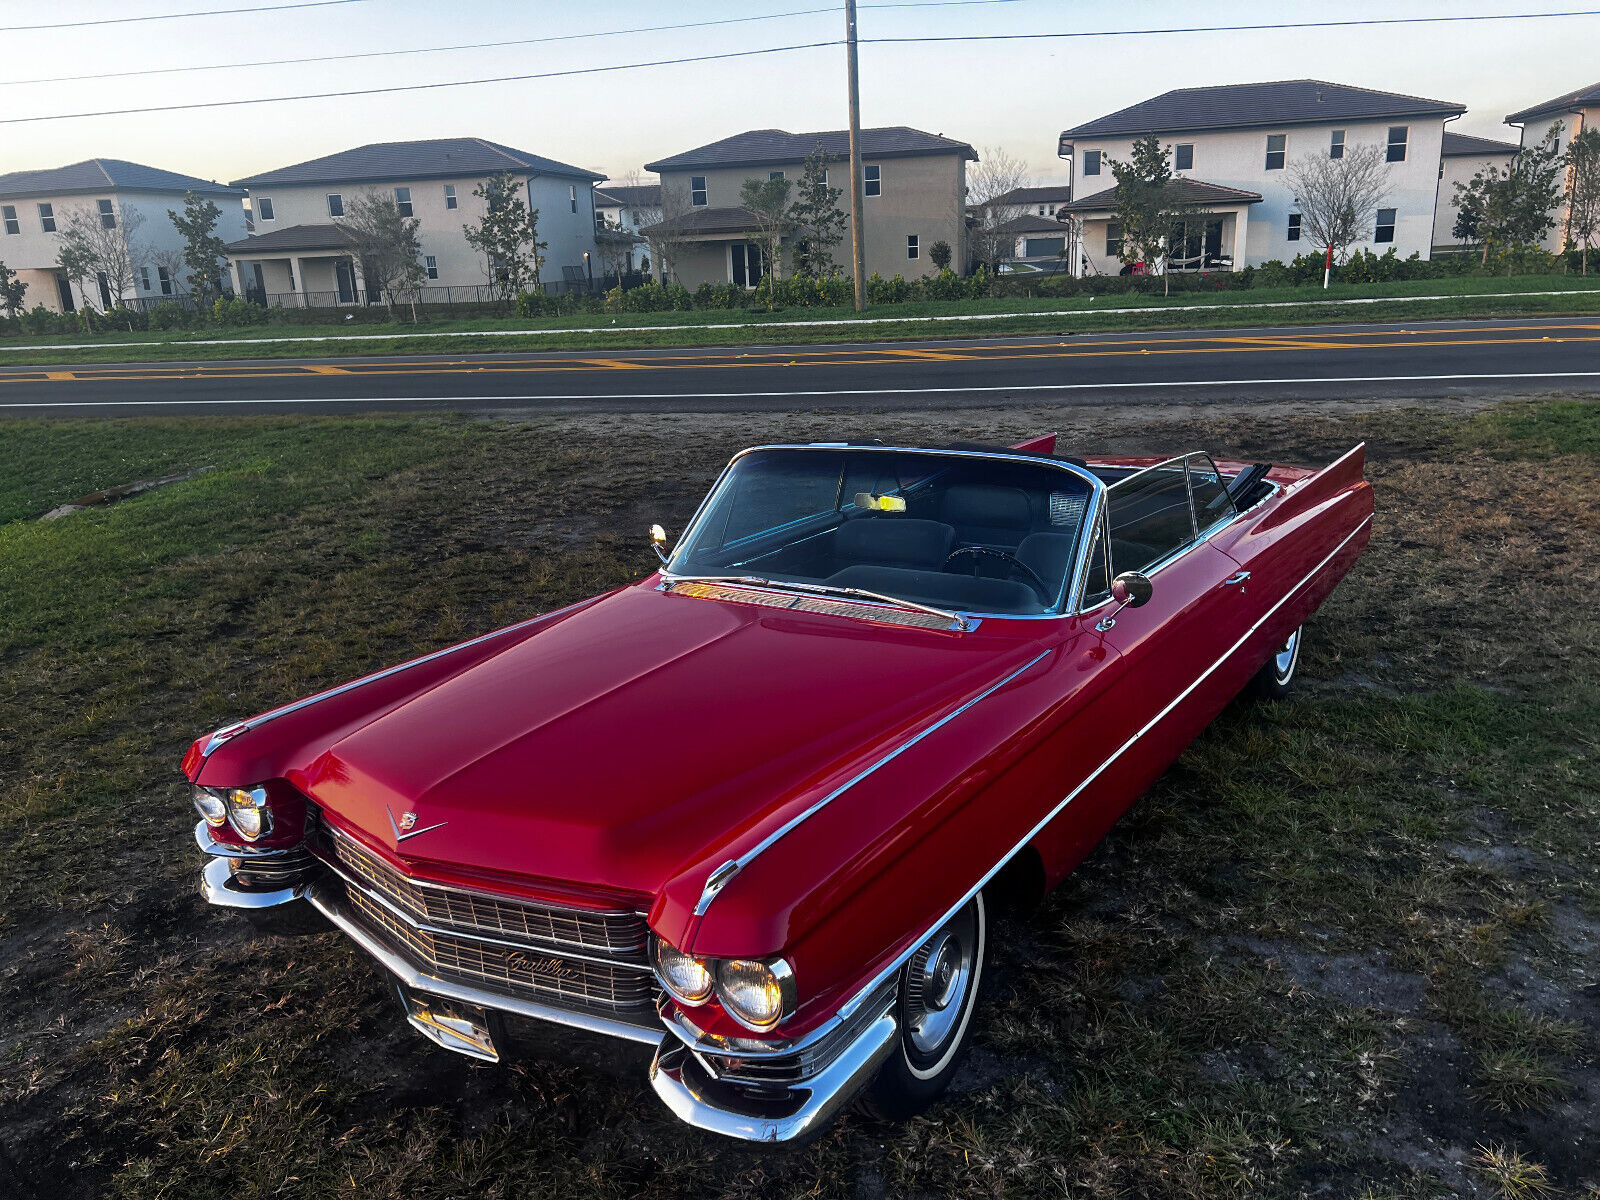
(826, 589)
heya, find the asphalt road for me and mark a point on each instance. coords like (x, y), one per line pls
(1304, 362)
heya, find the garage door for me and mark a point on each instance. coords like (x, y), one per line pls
(1043, 247)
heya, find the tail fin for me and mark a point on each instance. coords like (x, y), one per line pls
(1045, 443)
(1343, 474)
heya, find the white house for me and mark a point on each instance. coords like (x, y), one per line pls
(1461, 157)
(299, 253)
(1572, 114)
(35, 205)
(1241, 139)
(628, 207)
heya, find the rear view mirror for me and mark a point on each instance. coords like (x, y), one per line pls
(880, 503)
(1130, 590)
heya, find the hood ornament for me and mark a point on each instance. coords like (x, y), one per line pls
(405, 827)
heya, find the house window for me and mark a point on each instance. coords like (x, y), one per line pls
(264, 208)
(104, 281)
(1113, 239)
(449, 195)
(1183, 156)
(572, 196)
(335, 204)
(1397, 143)
(697, 190)
(8, 212)
(402, 201)
(774, 175)
(1336, 144)
(912, 250)
(108, 215)
(165, 276)
(744, 264)
(432, 264)
(1294, 227)
(872, 180)
(1091, 162)
(144, 278)
(635, 217)
(47, 218)
(1383, 230)
(1276, 151)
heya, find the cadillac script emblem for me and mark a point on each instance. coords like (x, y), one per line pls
(533, 964)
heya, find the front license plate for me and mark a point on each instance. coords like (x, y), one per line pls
(463, 1028)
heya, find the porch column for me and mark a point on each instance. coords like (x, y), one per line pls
(298, 266)
(1241, 236)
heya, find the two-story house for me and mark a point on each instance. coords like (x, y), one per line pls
(1235, 144)
(624, 209)
(1460, 158)
(1572, 114)
(118, 195)
(914, 196)
(300, 253)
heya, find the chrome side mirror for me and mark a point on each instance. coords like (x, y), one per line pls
(658, 542)
(1130, 590)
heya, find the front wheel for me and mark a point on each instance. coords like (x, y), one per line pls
(938, 992)
(1276, 678)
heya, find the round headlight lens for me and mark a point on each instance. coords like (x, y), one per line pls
(210, 806)
(247, 810)
(685, 976)
(753, 992)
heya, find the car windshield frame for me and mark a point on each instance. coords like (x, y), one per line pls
(1067, 600)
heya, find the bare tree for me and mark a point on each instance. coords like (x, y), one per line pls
(388, 247)
(991, 184)
(616, 245)
(103, 244)
(171, 260)
(1339, 197)
(663, 230)
(767, 200)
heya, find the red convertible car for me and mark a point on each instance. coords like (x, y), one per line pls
(746, 810)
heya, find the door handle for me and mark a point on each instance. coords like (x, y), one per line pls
(1239, 578)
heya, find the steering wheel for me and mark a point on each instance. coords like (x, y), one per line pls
(1014, 563)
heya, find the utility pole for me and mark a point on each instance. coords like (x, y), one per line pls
(858, 245)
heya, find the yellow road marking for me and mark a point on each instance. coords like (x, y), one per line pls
(57, 376)
(937, 355)
(615, 364)
(321, 370)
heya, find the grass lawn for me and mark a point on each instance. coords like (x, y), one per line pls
(1458, 297)
(1347, 946)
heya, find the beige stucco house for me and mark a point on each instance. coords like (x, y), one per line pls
(300, 255)
(1571, 114)
(35, 205)
(1240, 139)
(1462, 156)
(915, 187)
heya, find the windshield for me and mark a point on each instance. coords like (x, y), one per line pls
(965, 533)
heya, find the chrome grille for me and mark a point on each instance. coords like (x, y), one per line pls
(571, 981)
(619, 934)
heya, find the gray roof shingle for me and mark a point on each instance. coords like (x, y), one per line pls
(643, 195)
(759, 146)
(1184, 191)
(1030, 223)
(1580, 98)
(1034, 195)
(706, 221)
(1463, 145)
(1246, 105)
(435, 158)
(295, 237)
(106, 175)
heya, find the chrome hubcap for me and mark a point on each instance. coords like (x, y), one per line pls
(937, 982)
(1283, 661)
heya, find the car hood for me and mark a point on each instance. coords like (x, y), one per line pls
(638, 736)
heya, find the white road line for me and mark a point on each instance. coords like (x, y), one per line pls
(938, 391)
(837, 321)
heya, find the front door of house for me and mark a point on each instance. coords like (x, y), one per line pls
(744, 264)
(64, 291)
(347, 281)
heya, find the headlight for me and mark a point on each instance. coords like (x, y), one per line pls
(685, 976)
(210, 805)
(248, 812)
(756, 994)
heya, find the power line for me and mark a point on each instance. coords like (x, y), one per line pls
(422, 87)
(208, 12)
(1094, 33)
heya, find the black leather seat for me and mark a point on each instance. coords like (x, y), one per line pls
(892, 542)
(1048, 555)
(986, 514)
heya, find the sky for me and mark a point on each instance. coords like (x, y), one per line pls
(1013, 95)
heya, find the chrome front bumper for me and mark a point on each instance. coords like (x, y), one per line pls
(695, 1075)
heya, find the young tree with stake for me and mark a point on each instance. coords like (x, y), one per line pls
(1339, 197)
(204, 253)
(767, 200)
(1146, 207)
(388, 247)
(507, 235)
(1514, 203)
(819, 221)
(1583, 193)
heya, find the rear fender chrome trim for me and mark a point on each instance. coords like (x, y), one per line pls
(719, 878)
(328, 905)
(849, 1007)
